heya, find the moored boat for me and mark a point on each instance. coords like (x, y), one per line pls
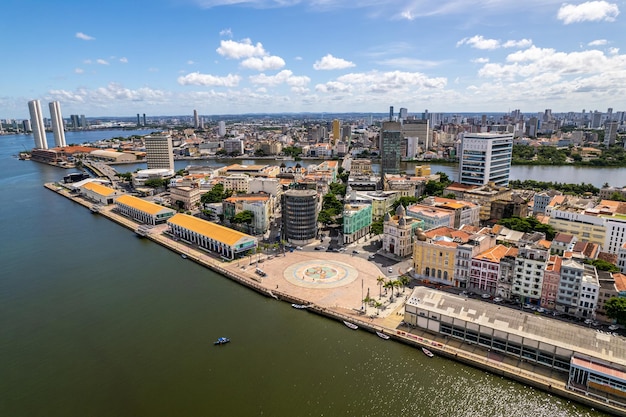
(300, 306)
(351, 325)
(382, 335)
(427, 352)
(221, 341)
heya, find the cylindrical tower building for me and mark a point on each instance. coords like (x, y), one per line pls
(300, 216)
(36, 121)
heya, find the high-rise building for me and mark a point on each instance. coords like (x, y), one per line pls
(299, 216)
(58, 127)
(138, 120)
(222, 128)
(420, 129)
(390, 148)
(610, 133)
(36, 121)
(159, 152)
(196, 119)
(404, 113)
(336, 131)
(144, 120)
(485, 157)
(346, 133)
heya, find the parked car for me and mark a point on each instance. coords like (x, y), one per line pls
(497, 300)
(486, 295)
(613, 327)
(390, 269)
(320, 248)
(355, 251)
(298, 247)
(372, 256)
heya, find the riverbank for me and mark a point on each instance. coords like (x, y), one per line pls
(339, 304)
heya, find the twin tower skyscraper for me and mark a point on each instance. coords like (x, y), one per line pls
(39, 129)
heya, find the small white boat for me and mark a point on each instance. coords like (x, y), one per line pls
(382, 335)
(182, 255)
(351, 325)
(300, 306)
(427, 352)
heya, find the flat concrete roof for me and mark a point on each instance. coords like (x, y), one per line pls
(533, 326)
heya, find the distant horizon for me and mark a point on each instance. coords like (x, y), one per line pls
(329, 114)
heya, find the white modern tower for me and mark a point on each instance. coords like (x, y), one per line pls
(57, 124)
(159, 152)
(485, 157)
(36, 121)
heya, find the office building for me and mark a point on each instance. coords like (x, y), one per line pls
(390, 148)
(485, 158)
(420, 129)
(159, 152)
(299, 213)
(610, 133)
(196, 119)
(58, 127)
(36, 121)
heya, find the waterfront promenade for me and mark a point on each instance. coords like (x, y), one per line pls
(336, 292)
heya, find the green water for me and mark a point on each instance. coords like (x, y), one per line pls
(97, 322)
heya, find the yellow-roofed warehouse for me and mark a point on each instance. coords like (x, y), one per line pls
(143, 211)
(212, 237)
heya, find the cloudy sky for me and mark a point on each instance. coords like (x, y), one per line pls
(169, 57)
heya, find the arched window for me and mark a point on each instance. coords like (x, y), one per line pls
(427, 271)
(445, 275)
(439, 273)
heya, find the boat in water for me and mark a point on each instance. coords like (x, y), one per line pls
(300, 306)
(382, 335)
(182, 255)
(427, 352)
(221, 341)
(351, 325)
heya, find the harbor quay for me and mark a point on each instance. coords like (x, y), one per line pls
(335, 285)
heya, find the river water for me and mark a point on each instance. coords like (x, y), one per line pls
(97, 322)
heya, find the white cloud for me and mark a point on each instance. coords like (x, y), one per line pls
(238, 50)
(264, 63)
(480, 60)
(379, 81)
(598, 42)
(480, 42)
(81, 35)
(124, 60)
(522, 43)
(329, 62)
(195, 78)
(613, 51)
(226, 32)
(283, 77)
(591, 11)
(79, 70)
(102, 62)
(109, 96)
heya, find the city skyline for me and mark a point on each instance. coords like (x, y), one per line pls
(257, 56)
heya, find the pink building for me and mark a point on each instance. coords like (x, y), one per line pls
(551, 277)
(485, 269)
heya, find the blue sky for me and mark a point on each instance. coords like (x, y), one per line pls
(169, 57)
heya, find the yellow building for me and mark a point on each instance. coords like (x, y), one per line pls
(422, 170)
(99, 193)
(226, 242)
(143, 211)
(434, 254)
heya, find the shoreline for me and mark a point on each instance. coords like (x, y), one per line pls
(391, 325)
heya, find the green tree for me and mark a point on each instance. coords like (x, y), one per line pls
(338, 188)
(259, 152)
(603, 265)
(377, 227)
(180, 172)
(216, 195)
(292, 151)
(126, 176)
(221, 152)
(405, 201)
(528, 224)
(616, 309)
(155, 182)
(245, 216)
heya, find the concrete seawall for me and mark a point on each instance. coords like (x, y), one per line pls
(400, 333)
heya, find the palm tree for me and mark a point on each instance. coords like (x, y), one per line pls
(396, 284)
(366, 301)
(380, 280)
(378, 305)
(389, 285)
(404, 280)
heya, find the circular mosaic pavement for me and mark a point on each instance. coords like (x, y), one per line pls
(320, 274)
